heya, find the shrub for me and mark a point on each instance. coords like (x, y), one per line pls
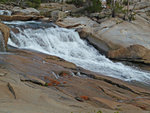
(96, 6)
(125, 2)
(77, 3)
(6, 1)
(28, 3)
(33, 3)
(119, 8)
(99, 112)
(108, 2)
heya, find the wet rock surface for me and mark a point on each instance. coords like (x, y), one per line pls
(48, 78)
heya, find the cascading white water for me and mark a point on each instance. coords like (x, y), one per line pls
(67, 44)
(5, 12)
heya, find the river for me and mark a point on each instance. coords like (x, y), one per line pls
(67, 44)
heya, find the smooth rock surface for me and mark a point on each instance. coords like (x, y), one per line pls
(26, 11)
(135, 53)
(105, 94)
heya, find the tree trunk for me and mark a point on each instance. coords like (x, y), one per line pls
(113, 8)
(128, 9)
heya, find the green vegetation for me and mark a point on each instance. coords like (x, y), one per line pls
(91, 6)
(46, 84)
(119, 8)
(6, 1)
(108, 2)
(96, 6)
(77, 3)
(33, 3)
(99, 112)
(28, 3)
(125, 2)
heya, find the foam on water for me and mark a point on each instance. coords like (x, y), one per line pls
(5, 12)
(67, 44)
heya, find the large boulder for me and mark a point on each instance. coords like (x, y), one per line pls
(100, 44)
(20, 17)
(47, 9)
(27, 11)
(135, 53)
(57, 15)
(142, 5)
(4, 35)
(92, 32)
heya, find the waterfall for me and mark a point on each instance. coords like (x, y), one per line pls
(5, 12)
(66, 43)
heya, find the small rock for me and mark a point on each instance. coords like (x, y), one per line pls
(136, 53)
(57, 15)
(2, 74)
(79, 99)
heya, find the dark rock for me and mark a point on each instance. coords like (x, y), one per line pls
(15, 30)
(79, 99)
(32, 79)
(11, 90)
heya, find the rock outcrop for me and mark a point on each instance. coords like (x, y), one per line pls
(57, 15)
(26, 11)
(142, 5)
(134, 53)
(20, 17)
(4, 35)
(42, 83)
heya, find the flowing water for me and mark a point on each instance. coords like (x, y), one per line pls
(5, 12)
(66, 43)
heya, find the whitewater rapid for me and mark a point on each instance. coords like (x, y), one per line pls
(5, 12)
(66, 43)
